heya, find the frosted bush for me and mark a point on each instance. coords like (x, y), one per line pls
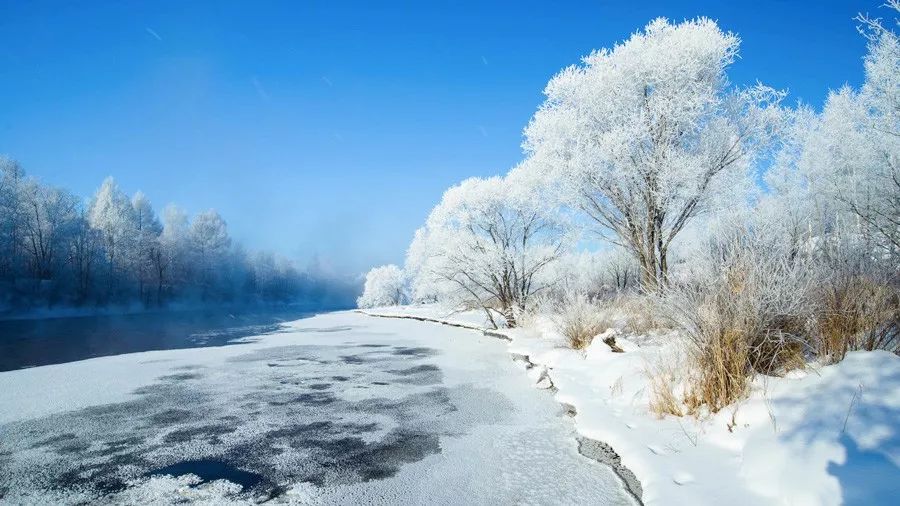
(385, 286)
(743, 312)
(580, 319)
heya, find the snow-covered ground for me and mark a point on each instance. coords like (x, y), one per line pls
(829, 435)
(342, 408)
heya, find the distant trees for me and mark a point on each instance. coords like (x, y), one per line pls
(111, 214)
(11, 185)
(55, 251)
(47, 217)
(644, 136)
(384, 286)
(209, 244)
(147, 244)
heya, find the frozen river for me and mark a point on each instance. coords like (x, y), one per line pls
(337, 409)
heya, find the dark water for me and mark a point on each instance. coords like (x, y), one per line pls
(31, 343)
(211, 470)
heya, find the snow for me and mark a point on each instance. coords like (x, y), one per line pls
(826, 435)
(341, 408)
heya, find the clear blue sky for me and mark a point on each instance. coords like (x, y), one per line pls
(332, 128)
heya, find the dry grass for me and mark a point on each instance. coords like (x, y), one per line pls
(856, 313)
(722, 366)
(580, 319)
(642, 313)
(663, 382)
(744, 317)
(528, 319)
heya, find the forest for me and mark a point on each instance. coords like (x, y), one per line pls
(56, 251)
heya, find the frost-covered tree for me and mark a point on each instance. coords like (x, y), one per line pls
(111, 214)
(593, 273)
(85, 252)
(147, 247)
(209, 234)
(836, 183)
(645, 136)
(49, 218)
(384, 286)
(422, 288)
(172, 264)
(486, 243)
(12, 179)
(863, 131)
(272, 276)
(209, 244)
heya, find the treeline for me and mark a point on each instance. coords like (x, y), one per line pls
(56, 250)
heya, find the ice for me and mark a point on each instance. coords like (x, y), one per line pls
(341, 408)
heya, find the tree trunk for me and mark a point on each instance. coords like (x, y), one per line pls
(510, 318)
(663, 280)
(649, 279)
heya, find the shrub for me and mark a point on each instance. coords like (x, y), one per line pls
(538, 305)
(579, 318)
(743, 313)
(642, 313)
(856, 312)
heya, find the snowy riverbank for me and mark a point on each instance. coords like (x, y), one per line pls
(340, 408)
(828, 435)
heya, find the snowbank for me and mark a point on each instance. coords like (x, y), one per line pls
(829, 435)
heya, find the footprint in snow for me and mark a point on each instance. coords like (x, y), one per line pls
(657, 450)
(683, 478)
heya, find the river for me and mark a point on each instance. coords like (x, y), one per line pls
(36, 342)
(340, 408)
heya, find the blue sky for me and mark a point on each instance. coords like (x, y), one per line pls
(332, 128)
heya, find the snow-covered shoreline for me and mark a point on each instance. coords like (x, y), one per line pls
(337, 409)
(593, 449)
(827, 435)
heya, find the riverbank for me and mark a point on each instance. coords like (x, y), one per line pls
(827, 435)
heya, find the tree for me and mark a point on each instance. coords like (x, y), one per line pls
(85, 251)
(111, 214)
(171, 261)
(876, 199)
(55, 249)
(147, 248)
(12, 178)
(384, 286)
(422, 287)
(486, 243)
(48, 223)
(644, 137)
(837, 179)
(209, 243)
